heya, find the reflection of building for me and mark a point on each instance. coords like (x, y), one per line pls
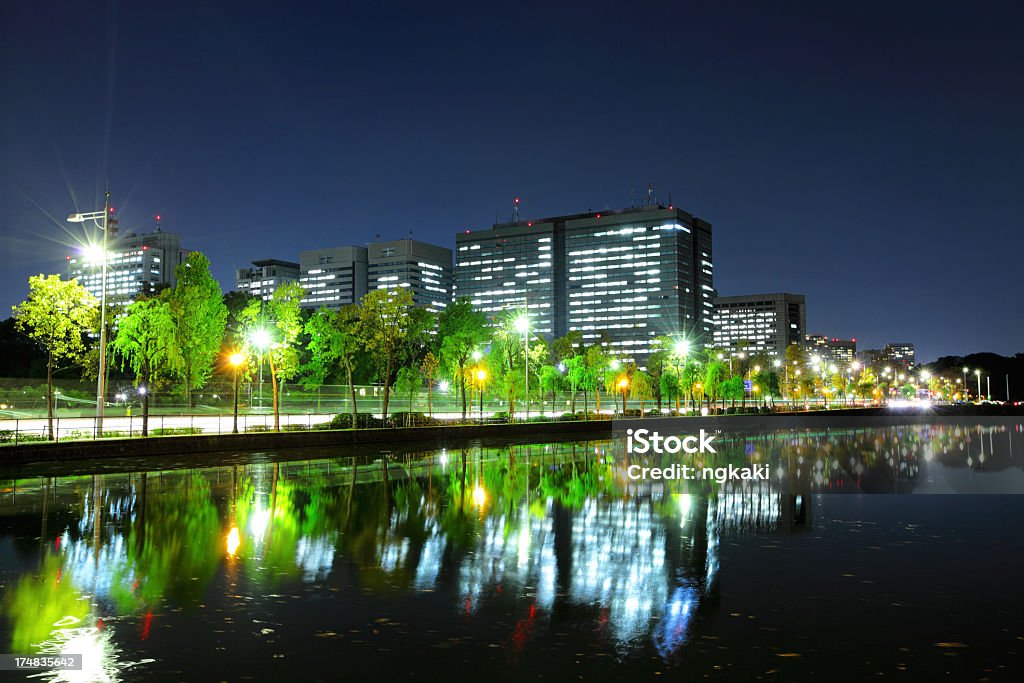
(760, 323)
(134, 263)
(265, 276)
(632, 275)
(425, 269)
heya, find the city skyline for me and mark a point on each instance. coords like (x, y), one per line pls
(874, 176)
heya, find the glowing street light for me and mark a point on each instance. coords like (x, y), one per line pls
(623, 386)
(977, 373)
(481, 377)
(101, 380)
(236, 359)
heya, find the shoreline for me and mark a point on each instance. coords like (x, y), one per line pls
(14, 456)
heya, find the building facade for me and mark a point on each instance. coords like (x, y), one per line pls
(135, 262)
(760, 323)
(424, 269)
(625, 276)
(832, 349)
(333, 277)
(265, 276)
(899, 353)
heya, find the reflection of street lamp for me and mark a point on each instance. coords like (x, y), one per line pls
(101, 381)
(234, 540)
(236, 361)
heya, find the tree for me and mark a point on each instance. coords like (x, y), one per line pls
(199, 316)
(407, 381)
(384, 325)
(641, 389)
(714, 376)
(273, 326)
(550, 380)
(596, 361)
(576, 376)
(334, 338)
(732, 389)
(461, 331)
(56, 314)
(429, 368)
(146, 343)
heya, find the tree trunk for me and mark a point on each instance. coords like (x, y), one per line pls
(462, 380)
(387, 392)
(145, 400)
(352, 390)
(49, 394)
(273, 386)
(430, 398)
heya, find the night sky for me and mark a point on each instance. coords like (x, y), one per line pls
(870, 157)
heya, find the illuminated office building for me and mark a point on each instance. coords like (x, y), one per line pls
(424, 269)
(134, 262)
(265, 276)
(628, 276)
(760, 323)
(333, 277)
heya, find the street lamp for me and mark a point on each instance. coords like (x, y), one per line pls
(623, 386)
(681, 348)
(977, 374)
(236, 361)
(481, 376)
(261, 340)
(101, 381)
(966, 370)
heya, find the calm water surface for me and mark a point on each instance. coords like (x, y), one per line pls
(530, 561)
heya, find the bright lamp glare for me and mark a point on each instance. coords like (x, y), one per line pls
(92, 253)
(261, 338)
(682, 347)
(522, 324)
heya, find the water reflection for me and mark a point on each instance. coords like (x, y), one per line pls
(540, 531)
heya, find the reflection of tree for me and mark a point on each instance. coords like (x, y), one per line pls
(37, 602)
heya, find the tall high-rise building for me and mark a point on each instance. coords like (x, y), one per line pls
(628, 276)
(760, 323)
(333, 277)
(425, 269)
(265, 276)
(134, 262)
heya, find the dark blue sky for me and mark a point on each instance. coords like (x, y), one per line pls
(870, 157)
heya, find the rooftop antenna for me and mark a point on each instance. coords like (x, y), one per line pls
(158, 222)
(632, 199)
(515, 210)
(378, 237)
(410, 233)
(670, 200)
(650, 194)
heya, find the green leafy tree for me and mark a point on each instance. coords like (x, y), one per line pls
(429, 367)
(576, 377)
(384, 326)
(732, 389)
(146, 342)
(407, 381)
(641, 389)
(275, 325)
(597, 361)
(714, 376)
(199, 316)
(461, 331)
(334, 340)
(550, 380)
(56, 315)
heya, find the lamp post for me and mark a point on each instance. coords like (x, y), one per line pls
(481, 376)
(101, 381)
(681, 348)
(523, 325)
(966, 370)
(236, 362)
(977, 373)
(623, 386)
